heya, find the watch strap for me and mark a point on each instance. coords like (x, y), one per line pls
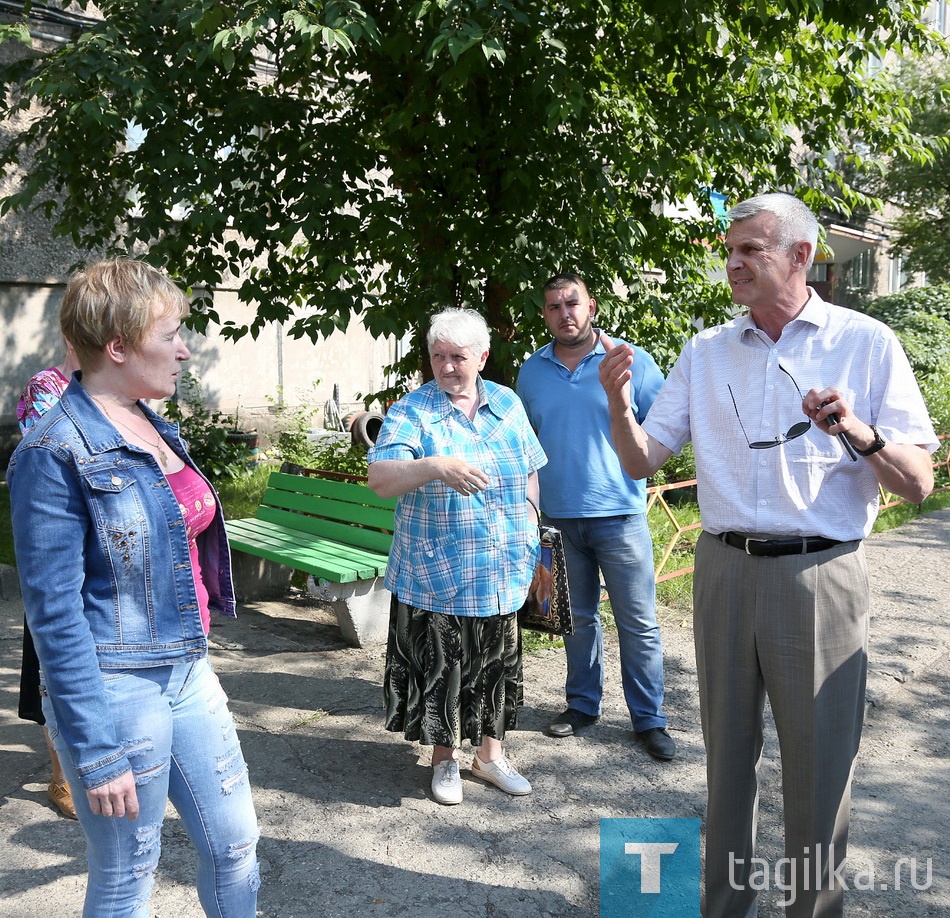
(876, 446)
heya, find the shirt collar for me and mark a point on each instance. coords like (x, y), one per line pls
(814, 312)
(487, 398)
(547, 352)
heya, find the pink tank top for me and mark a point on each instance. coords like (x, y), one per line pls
(196, 502)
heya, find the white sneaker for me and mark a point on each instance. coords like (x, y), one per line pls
(501, 773)
(447, 782)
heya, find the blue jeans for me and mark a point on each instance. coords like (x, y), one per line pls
(619, 547)
(181, 741)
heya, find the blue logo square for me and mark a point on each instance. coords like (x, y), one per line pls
(649, 868)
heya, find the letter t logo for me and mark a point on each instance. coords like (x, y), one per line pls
(650, 853)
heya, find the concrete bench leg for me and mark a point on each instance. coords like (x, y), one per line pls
(257, 578)
(361, 608)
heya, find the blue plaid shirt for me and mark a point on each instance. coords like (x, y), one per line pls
(463, 555)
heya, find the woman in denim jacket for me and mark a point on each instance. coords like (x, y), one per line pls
(122, 555)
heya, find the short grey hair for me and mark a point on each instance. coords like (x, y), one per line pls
(461, 327)
(796, 222)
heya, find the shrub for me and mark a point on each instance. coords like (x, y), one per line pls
(676, 468)
(339, 455)
(926, 341)
(205, 432)
(896, 307)
(936, 392)
(290, 441)
(920, 316)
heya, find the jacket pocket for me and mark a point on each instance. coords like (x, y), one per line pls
(114, 496)
(115, 500)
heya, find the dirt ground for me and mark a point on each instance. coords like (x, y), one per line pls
(348, 826)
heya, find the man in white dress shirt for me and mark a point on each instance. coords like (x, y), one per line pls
(797, 410)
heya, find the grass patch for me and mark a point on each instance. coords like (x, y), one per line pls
(241, 495)
(536, 642)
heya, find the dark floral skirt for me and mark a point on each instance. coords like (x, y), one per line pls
(450, 677)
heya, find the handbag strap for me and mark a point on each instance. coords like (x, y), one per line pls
(537, 512)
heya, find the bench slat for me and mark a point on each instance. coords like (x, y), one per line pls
(328, 529)
(337, 490)
(318, 557)
(370, 517)
(275, 536)
(336, 530)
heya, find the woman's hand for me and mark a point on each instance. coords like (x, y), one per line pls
(460, 476)
(117, 798)
(395, 477)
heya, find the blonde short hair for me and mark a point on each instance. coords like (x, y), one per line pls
(115, 297)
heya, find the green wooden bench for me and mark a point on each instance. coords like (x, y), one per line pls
(338, 532)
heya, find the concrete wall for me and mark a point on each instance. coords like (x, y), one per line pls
(245, 374)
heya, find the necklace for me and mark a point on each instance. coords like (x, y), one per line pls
(162, 455)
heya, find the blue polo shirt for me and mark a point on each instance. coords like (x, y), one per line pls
(583, 477)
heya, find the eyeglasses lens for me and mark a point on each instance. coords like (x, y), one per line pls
(796, 430)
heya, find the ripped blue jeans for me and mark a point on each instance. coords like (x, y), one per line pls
(181, 740)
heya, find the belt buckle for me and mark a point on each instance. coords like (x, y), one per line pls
(747, 541)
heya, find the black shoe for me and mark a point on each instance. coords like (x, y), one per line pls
(570, 722)
(659, 743)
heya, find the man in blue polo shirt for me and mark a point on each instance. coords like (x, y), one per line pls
(601, 512)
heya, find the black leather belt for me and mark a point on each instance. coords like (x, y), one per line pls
(772, 548)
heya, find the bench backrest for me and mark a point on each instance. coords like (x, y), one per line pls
(347, 512)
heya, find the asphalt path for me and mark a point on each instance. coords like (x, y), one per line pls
(348, 826)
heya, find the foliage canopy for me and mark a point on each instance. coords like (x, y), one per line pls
(922, 188)
(386, 159)
(921, 318)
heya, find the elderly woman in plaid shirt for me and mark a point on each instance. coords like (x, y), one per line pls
(463, 460)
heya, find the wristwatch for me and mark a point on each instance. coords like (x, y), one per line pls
(877, 445)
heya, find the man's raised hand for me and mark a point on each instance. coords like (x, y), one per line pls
(615, 373)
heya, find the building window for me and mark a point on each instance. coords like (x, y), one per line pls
(818, 273)
(938, 16)
(859, 271)
(897, 275)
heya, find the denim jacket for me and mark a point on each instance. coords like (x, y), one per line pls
(104, 567)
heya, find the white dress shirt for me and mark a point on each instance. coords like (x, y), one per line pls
(806, 486)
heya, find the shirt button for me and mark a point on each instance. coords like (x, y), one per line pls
(762, 503)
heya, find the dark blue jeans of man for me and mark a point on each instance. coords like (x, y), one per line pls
(619, 548)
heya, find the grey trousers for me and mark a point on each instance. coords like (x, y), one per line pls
(794, 628)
